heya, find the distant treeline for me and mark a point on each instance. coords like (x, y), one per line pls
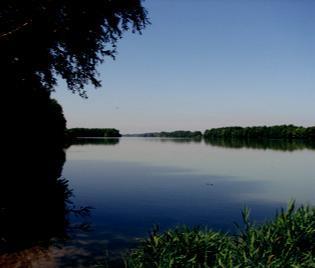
(93, 132)
(173, 134)
(262, 132)
(258, 132)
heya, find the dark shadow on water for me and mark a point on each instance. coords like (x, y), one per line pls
(263, 144)
(35, 204)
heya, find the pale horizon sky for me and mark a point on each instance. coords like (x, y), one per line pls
(204, 64)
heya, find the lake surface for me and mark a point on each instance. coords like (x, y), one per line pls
(132, 184)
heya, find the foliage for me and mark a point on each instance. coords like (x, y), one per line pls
(263, 132)
(93, 132)
(41, 39)
(287, 241)
(95, 141)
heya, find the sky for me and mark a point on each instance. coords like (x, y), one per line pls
(203, 64)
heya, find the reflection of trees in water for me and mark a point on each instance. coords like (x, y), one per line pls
(281, 144)
(95, 141)
(35, 203)
(176, 140)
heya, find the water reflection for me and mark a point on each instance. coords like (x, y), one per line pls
(136, 184)
(35, 204)
(178, 140)
(264, 144)
(95, 141)
(129, 198)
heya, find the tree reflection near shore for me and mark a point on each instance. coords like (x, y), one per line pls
(264, 144)
(36, 207)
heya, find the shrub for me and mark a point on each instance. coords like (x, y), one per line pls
(286, 241)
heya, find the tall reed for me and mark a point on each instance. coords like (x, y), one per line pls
(286, 241)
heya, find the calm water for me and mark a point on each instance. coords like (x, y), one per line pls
(135, 183)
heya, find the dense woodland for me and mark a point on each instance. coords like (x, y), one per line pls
(262, 132)
(92, 132)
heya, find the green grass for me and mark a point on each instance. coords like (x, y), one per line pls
(286, 241)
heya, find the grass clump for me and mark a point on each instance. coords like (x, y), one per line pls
(286, 241)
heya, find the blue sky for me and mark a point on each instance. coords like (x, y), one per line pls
(204, 64)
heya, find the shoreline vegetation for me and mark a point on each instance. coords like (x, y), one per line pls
(286, 241)
(281, 137)
(73, 133)
(287, 132)
(257, 132)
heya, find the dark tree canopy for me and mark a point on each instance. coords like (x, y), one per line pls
(93, 132)
(41, 39)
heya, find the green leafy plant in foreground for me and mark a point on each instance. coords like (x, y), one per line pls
(286, 241)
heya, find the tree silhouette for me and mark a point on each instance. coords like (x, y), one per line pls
(41, 39)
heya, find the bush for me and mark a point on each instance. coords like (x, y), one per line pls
(287, 241)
